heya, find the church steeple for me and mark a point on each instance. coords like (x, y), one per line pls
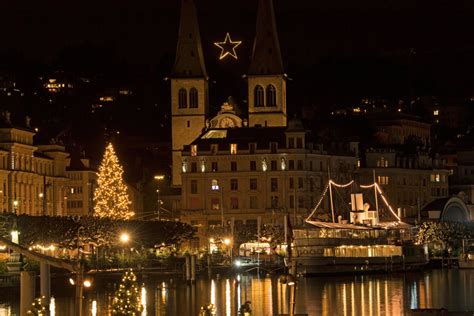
(266, 76)
(266, 55)
(189, 87)
(189, 62)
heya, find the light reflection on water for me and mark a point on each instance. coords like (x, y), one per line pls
(371, 295)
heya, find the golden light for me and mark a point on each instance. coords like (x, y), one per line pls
(211, 240)
(228, 47)
(87, 283)
(124, 237)
(159, 177)
(227, 241)
(71, 281)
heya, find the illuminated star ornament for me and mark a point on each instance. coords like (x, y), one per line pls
(228, 47)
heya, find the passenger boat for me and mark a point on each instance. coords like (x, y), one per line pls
(360, 243)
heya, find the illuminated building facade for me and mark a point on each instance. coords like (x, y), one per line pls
(409, 181)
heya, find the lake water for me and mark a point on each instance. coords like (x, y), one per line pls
(385, 294)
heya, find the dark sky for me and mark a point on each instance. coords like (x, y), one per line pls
(311, 32)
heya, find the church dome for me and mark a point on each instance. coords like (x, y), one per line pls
(295, 124)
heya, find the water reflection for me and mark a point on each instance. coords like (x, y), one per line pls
(372, 295)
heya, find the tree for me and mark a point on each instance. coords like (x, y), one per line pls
(37, 307)
(110, 197)
(127, 298)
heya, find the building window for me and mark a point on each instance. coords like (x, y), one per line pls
(234, 203)
(258, 96)
(253, 202)
(193, 98)
(194, 187)
(193, 167)
(273, 184)
(283, 163)
(214, 166)
(292, 183)
(274, 201)
(214, 149)
(273, 165)
(253, 184)
(382, 179)
(382, 162)
(252, 148)
(234, 184)
(300, 165)
(273, 147)
(291, 165)
(435, 177)
(233, 149)
(292, 201)
(300, 183)
(233, 166)
(214, 185)
(299, 142)
(182, 99)
(194, 150)
(436, 112)
(203, 166)
(271, 95)
(300, 202)
(291, 143)
(215, 204)
(253, 165)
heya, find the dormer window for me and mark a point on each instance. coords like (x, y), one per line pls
(233, 149)
(273, 147)
(252, 148)
(299, 142)
(291, 143)
(194, 150)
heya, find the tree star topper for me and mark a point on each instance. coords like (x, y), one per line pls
(228, 47)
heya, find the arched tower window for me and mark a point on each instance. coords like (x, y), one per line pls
(182, 99)
(258, 96)
(271, 95)
(193, 98)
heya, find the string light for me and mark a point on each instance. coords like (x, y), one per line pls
(127, 299)
(368, 186)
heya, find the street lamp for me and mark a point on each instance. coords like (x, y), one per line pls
(124, 238)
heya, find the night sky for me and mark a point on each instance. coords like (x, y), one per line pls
(343, 47)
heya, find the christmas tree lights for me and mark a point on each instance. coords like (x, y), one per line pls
(37, 307)
(127, 297)
(110, 197)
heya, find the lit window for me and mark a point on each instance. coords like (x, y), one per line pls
(233, 149)
(383, 179)
(436, 112)
(203, 166)
(214, 185)
(194, 150)
(215, 204)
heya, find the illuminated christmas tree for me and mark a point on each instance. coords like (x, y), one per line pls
(110, 197)
(127, 297)
(37, 307)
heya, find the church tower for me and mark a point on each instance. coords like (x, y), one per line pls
(189, 87)
(266, 76)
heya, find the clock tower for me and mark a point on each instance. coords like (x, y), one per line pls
(189, 87)
(266, 76)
